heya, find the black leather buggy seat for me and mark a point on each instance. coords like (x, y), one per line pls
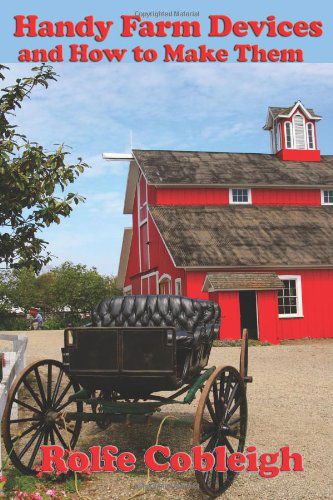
(139, 344)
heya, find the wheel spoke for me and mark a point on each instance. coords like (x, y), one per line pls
(32, 392)
(213, 481)
(40, 385)
(61, 407)
(25, 405)
(227, 389)
(19, 420)
(217, 402)
(222, 382)
(234, 408)
(228, 444)
(35, 450)
(232, 395)
(46, 436)
(214, 472)
(233, 421)
(206, 475)
(29, 443)
(211, 412)
(207, 432)
(63, 394)
(49, 382)
(52, 440)
(27, 431)
(57, 386)
(211, 443)
(61, 439)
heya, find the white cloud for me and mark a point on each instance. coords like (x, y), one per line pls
(103, 204)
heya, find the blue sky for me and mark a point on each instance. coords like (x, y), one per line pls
(93, 108)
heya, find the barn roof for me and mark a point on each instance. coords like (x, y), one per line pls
(242, 281)
(164, 167)
(278, 111)
(247, 236)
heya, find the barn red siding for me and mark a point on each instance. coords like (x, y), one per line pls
(286, 197)
(192, 196)
(220, 196)
(194, 284)
(317, 306)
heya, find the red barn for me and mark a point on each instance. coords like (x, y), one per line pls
(253, 232)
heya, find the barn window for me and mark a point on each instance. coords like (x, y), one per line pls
(299, 132)
(290, 297)
(178, 286)
(289, 143)
(310, 136)
(327, 197)
(241, 196)
(164, 287)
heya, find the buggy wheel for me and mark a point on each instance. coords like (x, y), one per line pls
(220, 420)
(36, 397)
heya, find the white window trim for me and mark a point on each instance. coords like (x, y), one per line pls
(299, 299)
(313, 136)
(291, 134)
(322, 197)
(127, 289)
(178, 280)
(166, 277)
(249, 193)
(147, 276)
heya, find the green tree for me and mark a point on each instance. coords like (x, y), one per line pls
(62, 294)
(79, 288)
(21, 288)
(30, 180)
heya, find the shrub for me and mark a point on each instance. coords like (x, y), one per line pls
(11, 322)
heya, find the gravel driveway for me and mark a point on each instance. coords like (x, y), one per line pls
(289, 404)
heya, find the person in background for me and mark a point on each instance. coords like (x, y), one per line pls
(37, 321)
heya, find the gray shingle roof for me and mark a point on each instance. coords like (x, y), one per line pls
(162, 167)
(247, 236)
(242, 281)
(285, 111)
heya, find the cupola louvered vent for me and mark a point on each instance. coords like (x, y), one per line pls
(299, 132)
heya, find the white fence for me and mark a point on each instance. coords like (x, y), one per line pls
(14, 364)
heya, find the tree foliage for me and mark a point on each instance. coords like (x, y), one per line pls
(30, 180)
(69, 287)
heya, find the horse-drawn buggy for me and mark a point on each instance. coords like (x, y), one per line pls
(115, 369)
